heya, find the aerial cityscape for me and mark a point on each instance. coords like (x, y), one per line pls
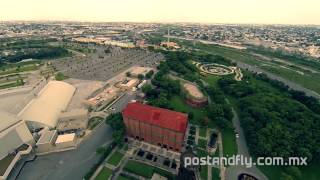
(165, 98)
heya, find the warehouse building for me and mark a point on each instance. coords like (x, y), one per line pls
(154, 125)
(44, 110)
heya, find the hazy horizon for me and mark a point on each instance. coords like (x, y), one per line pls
(293, 12)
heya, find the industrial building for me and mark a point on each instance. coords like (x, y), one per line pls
(44, 110)
(105, 97)
(39, 124)
(127, 84)
(50, 141)
(154, 125)
(15, 141)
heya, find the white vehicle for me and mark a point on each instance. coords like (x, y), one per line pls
(237, 135)
(112, 109)
(133, 101)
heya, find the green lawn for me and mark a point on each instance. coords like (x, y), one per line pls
(115, 158)
(202, 143)
(204, 172)
(11, 84)
(229, 143)
(104, 174)
(178, 104)
(145, 170)
(123, 178)
(307, 80)
(26, 68)
(215, 173)
(203, 131)
(211, 79)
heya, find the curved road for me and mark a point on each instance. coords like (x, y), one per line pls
(233, 172)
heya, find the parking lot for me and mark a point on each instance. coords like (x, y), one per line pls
(103, 65)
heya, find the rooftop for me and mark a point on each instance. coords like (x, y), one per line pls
(46, 107)
(157, 116)
(47, 137)
(65, 138)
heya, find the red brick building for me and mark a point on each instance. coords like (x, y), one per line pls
(154, 125)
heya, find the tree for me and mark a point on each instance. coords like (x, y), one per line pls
(116, 122)
(285, 176)
(190, 115)
(294, 172)
(222, 123)
(149, 74)
(140, 76)
(147, 88)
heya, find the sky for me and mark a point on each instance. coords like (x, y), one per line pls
(201, 11)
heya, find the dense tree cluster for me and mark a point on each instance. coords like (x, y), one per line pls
(274, 123)
(116, 122)
(219, 111)
(311, 102)
(37, 53)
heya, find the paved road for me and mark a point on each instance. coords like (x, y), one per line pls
(123, 101)
(233, 172)
(68, 165)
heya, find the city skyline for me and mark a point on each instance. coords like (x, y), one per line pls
(203, 11)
